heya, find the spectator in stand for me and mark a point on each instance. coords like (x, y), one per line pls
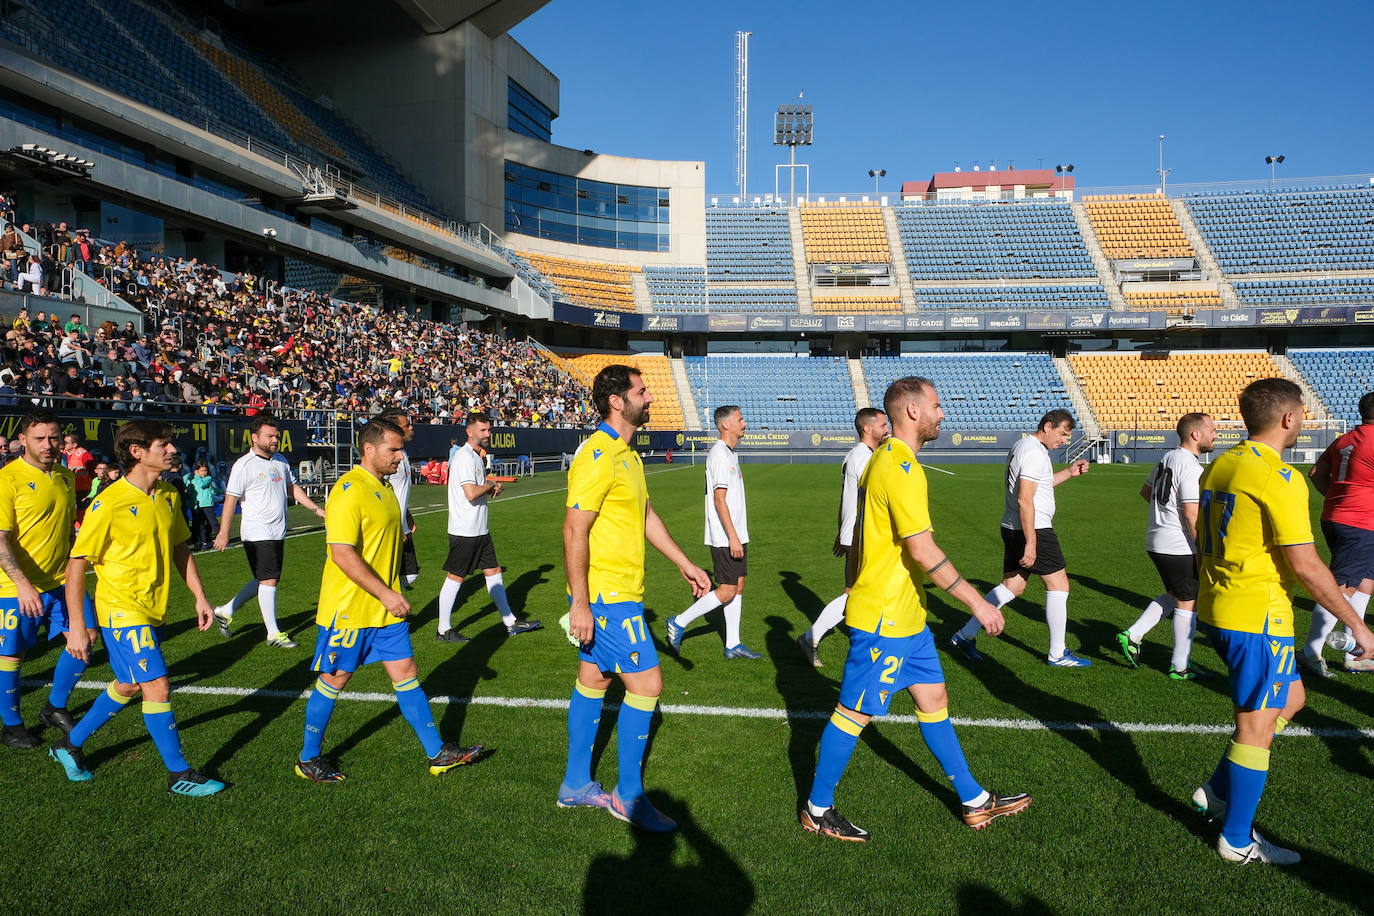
(80, 462)
(30, 279)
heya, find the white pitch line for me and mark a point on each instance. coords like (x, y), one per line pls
(931, 467)
(770, 712)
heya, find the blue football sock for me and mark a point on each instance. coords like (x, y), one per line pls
(939, 736)
(106, 706)
(1221, 777)
(584, 716)
(318, 709)
(9, 691)
(1249, 768)
(162, 725)
(837, 746)
(64, 677)
(410, 696)
(632, 739)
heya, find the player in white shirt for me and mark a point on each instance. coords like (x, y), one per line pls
(262, 480)
(400, 485)
(871, 425)
(727, 534)
(469, 537)
(1029, 544)
(1172, 492)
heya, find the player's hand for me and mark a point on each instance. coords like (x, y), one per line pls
(1028, 557)
(1364, 643)
(989, 616)
(697, 578)
(205, 614)
(581, 624)
(30, 602)
(319, 512)
(736, 548)
(396, 604)
(222, 541)
(1079, 467)
(79, 644)
(496, 489)
(838, 549)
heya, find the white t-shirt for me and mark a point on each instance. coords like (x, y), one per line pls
(400, 483)
(1029, 460)
(262, 486)
(850, 472)
(722, 472)
(465, 518)
(1173, 482)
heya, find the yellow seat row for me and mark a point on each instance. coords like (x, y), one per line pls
(855, 304)
(589, 283)
(1137, 226)
(837, 232)
(664, 413)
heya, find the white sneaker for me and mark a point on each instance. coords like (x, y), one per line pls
(1359, 665)
(1259, 850)
(1208, 803)
(1315, 665)
(281, 641)
(225, 618)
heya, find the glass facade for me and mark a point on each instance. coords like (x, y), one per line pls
(569, 209)
(526, 114)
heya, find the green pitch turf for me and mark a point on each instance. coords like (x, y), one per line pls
(1110, 830)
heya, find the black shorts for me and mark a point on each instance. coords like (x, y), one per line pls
(410, 564)
(1352, 553)
(728, 570)
(1049, 557)
(466, 554)
(265, 558)
(1179, 572)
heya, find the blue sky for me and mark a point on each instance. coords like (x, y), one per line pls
(915, 88)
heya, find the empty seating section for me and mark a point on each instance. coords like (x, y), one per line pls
(664, 413)
(985, 241)
(848, 305)
(1176, 302)
(531, 275)
(1339, 377)
(844, 233)
(1131, 391)
(1078, 296)
(1326, 291)
(981, 391)
(1137, 226)
(775, 392)
(770, 299)
(1274, 231)
(748, 246)
(586, 282)
(676, 289)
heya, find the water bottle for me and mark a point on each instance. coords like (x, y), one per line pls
(1342, 641)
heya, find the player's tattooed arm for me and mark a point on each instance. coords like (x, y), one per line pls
(30, 604)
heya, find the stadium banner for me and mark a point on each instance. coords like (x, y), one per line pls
(805, 323)
(1004, 321)
(197, 438)
(1312, 317)
(728, 321)
(767, 323)
(597, 318)
(930, 322)
(1133, 320)
(1046, 321)
(963, 321)
(885, 323)
(1171, 264)
(1226, 318)
(850, 270)
(844, 322)
(1227, 436)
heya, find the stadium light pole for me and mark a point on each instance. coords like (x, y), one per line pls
(1064, 169)
(1163, 172)
(1272, 162)
(875, 174)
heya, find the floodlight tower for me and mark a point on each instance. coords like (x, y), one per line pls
(792, 128)
(1163, 172)
(742, 112)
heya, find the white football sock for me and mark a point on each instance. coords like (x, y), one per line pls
(733, 612)
(1185, 625)
(448, 597)
(998, 597)
(1360, 602)
(1154, 612)
(267, 603)
(496, 587)
(1323, 622)
(245, 595)
(1057, 616)
(700, 608)
(829, 619)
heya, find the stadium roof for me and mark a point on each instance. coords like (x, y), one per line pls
(493, 18)
(979, 180)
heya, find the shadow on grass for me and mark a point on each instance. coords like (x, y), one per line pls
(974, 898)
(648, 880)
(801, 687)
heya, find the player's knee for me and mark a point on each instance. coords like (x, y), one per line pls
(854, 716)
(128, 690)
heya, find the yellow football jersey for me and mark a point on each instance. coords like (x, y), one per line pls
(888, 597)
(128, 536)
(363, 513)
(37, 509)
(607, 478)
(1251, 506)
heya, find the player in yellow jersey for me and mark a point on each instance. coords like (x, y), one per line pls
(1254, 540)
(37, 506)
(361, 617)
(891, 648)
(133, 534)
(607, 521)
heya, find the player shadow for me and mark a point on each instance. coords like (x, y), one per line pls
(975, 898)
(517, 593)
(1337, 879)
(803, 599)
(807, 695)
(648, 880)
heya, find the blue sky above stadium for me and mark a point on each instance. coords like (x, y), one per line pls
(916, 88)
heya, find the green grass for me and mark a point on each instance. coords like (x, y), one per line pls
(1110, 830)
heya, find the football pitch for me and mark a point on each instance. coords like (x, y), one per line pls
(1110, 754)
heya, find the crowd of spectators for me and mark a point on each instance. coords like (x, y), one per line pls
(223, 343)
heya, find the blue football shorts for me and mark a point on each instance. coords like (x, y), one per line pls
(135, 653)
(1260, 667)
(621, 643)
(349, 649)
(878, 667)
(19, 633)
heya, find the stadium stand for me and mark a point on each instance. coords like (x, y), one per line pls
(1178, 302)
(587, 282)
(1139, 391)
(676, 289)
(1324, 291)
(732, 299)
(1339, 377)
(748, 246)
(1281, 231)
(1012, 297)
(1137, 226)
(879, 305)
(775, 392)
(837, 232)
(982, 241)
(978, 391)
(664, 413)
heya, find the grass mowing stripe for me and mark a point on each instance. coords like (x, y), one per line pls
(758, 712)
